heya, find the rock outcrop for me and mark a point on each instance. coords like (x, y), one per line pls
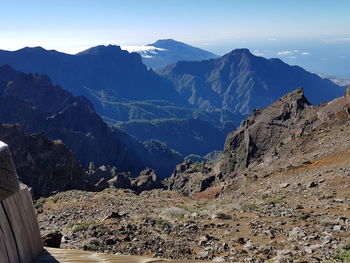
(274, 138)
(147, 180)
(190, 177)
(265, 130)
(107, 177)
(47, 166)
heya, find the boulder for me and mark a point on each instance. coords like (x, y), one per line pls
(52, 239)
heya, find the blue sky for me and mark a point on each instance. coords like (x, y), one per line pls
(67, 25)
(217, 25)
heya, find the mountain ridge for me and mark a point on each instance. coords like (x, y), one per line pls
(241, 82)
(71, 119)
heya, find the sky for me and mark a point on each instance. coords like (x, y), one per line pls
(216, 25)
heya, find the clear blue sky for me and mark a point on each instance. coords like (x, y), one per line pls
(76, 24)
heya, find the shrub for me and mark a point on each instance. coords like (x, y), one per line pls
(175, 212)
(39, 203)
(163, 224)
(79, 226)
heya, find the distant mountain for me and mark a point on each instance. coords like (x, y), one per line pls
(32, 101)
(187, 136)
(240, 82)
(168, 51)
(121, 88)
(104, 74)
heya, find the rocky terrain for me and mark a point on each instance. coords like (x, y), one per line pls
(279, 193)
(47, 166)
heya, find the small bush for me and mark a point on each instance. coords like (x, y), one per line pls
(163, 224)
(54, 198)
(39, 203)
(175, 212)
(252, 206)
(344, 256)
(79, 226)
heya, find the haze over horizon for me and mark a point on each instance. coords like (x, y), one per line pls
(314, 34)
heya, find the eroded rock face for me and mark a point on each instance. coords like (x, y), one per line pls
(266, 129)
(105, 177)
(267, 141)
(147, 180)
(190, 177)
(45, 165)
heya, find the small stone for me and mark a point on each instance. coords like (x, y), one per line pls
(337, 228)
(284, 185)
(114, 215)
(203, 255)
(194, 215)
(218, 259)
(312, 185)
(309, 250)
(220, 215)
(53, 239)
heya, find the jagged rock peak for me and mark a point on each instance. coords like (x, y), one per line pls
(101, 49)
(265, 129)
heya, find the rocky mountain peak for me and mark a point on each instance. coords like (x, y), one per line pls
(101, 49)
(166, 43)
(267, 127)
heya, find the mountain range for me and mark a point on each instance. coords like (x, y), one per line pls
(112, 78)
(240, 82)
(218, 93)
(38, 106)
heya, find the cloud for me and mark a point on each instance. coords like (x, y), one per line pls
(149, 49)
(257, 52)
(336, 40)
(284, 53)
(292, 53)
(272, 39)
(293, 57)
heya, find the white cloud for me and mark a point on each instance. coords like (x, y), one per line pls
(257, 52)
(272, 39)
(150, 49)
(336, 40)
(292, 53)
(284, 53)
(293, 57)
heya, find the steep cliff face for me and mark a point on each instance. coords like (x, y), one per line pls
(265, 130)
(45, 165)
(286, 134)
(37, 105)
